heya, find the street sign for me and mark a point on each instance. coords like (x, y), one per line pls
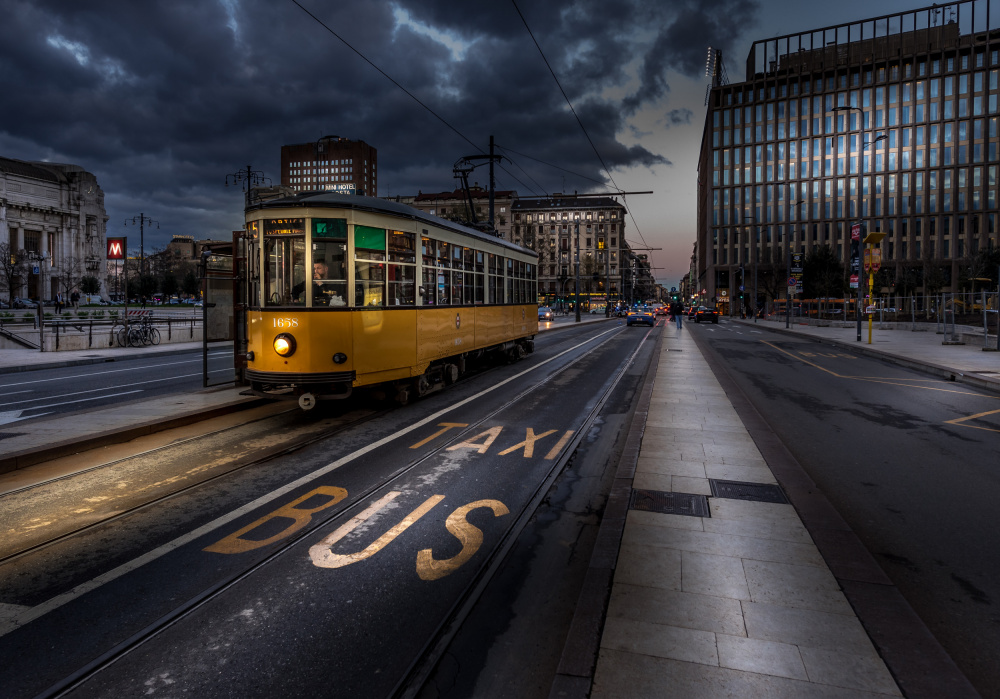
(868, 259)
(34, 269)
(876, 258)
(116, 248)
(796, 263)
(854, 281)
(792, 282)
(741, 287)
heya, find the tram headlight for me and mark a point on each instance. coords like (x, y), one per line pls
(339, 358)
(284, 345)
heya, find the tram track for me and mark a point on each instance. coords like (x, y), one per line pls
(426, 659)
(237, 466)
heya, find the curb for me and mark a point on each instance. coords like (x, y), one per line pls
(575, 673)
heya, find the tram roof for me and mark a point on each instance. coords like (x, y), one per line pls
(382, 206)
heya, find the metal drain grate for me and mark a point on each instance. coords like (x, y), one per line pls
(8, 435)
(673, 350)
(754, 492)
(670, 503)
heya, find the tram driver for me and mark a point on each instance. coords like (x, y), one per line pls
(324, 291)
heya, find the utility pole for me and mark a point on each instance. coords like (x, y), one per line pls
(142, 220)
(465, 165)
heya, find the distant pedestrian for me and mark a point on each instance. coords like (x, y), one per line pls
(59, 303)
(678, 312)
(74, 298)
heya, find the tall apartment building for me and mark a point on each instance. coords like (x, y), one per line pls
(781, 165)
(559, 226)
(52, 225)
(332, 163)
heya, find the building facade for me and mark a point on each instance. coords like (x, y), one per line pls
(52, 228)
(454, 206)
(891, 122)
(332, 164)
(560, 227)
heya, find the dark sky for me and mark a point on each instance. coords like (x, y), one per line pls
(161, 100)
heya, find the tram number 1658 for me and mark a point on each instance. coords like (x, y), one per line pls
(286, 322)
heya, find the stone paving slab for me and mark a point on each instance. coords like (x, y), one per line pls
(737, 604)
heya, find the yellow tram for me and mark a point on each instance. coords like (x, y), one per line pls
(347, 291)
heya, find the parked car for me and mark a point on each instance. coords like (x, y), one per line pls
(545, 314)
(706, 313)
(640, 316)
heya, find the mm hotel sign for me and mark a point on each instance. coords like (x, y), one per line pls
(116, 248)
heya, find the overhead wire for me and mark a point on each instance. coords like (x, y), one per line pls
(577, 117)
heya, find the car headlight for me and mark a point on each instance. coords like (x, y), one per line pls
(284, 345)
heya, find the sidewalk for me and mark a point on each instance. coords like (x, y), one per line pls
(744, 598)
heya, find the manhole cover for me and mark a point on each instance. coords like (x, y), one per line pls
(740, 490)
(8, 435)
(670, 503)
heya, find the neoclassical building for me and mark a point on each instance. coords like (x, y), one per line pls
(52, 218)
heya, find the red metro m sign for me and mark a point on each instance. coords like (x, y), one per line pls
(116, 248)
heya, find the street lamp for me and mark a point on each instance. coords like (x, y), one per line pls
(576, 263)
(856, 234)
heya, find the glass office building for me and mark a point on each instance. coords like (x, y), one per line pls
(890, 120)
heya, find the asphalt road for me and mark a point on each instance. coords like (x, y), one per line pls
(910, 462)
(28, 395)
(333, 570)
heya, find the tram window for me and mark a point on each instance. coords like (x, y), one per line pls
(443, 255)
(480, 258)
(428, 252)
(470, 288)
(401, 247)
(456, 257)
(335, 228)
(429, 285)
(369, 243)
(402, 287)
(443, 286)
(469, 263)
(457, 285)
(480, 288)
(369, 284)
(285, 271)
(329, 273)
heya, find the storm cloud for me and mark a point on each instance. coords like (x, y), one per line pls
(163, 99)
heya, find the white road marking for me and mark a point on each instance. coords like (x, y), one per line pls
(78, 400)
(12, 393)
(117, 371)
(29, 615)
(94, 390)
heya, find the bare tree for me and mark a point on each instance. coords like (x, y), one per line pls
(73, 271)
(13, 266)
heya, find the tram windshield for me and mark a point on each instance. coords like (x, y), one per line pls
(285, 262)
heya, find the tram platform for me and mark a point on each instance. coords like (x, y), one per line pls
(758, 598)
